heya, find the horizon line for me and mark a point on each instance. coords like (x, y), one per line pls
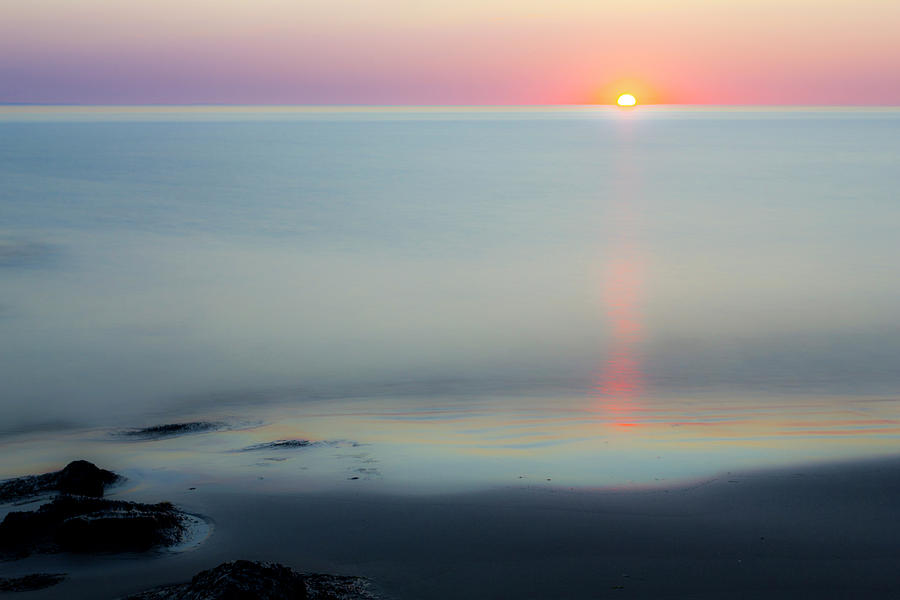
(426, 106)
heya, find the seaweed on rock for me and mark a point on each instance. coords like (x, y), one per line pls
(80, 524)
(246, 580)
(79, 477)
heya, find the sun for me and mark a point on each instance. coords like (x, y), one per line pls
(626, 100)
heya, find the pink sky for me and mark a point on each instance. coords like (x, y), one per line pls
(823, 52)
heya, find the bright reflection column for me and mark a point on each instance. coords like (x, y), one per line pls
(620, 381)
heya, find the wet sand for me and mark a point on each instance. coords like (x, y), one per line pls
(822, 532)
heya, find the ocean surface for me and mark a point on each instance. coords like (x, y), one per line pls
(446, 298)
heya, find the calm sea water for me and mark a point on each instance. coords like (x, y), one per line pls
(498, 292)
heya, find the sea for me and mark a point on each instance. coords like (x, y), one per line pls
(448, 298)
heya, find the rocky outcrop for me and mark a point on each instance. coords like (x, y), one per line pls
(172, 429)
(79, 477)
(278, 445)
(81, 524)
(298, 444)
(246, 580)
(83, 478)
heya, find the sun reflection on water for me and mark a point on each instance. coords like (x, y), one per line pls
(621, 382)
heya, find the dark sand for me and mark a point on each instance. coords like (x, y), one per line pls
(815, 532)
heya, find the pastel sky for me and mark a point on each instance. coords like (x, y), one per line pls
(824, 52)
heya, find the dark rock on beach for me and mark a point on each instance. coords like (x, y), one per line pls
(79, 477)
(246, 580)
(298, 444)
(278, 445)
(30, 583)
(83, 478)
(80, 524)
(172, 429)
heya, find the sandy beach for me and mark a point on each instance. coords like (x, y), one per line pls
(822, 532)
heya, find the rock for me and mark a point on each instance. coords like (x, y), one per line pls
(298, 444)
(278, 445)
(30, 485)
(78, 477)
(246, 580)
(85, 479)
(321, 586)
(29, 583)
(81, 524)
(173, 429)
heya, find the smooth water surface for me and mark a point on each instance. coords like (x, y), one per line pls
(480, 293)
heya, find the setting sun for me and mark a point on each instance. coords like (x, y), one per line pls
(626, 100)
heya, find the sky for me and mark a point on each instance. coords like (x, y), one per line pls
(470, 52)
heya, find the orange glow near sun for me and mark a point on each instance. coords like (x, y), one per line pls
(621, 91)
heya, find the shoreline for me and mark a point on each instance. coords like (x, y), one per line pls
(826, 531)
